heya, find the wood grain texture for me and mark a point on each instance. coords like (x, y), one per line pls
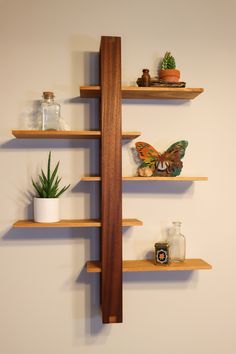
(130, 135)
(111, 189)
(127, 178)
(150, 266)
(56, 134)
(132, 92)
(69, 134)
(72, 223)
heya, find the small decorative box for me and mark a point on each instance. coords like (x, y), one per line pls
(161, 253)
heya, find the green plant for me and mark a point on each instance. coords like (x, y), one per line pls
(168, 62)
(48, 186)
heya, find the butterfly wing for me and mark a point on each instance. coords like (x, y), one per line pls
(149, 156)
(146, 152)
(172, 157)
(178, 148)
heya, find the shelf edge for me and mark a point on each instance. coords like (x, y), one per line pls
(136, 178)
(68, 134)
(74, 223)
(134, 92)
(150, 266)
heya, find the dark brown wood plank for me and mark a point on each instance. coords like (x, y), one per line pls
(111, 206)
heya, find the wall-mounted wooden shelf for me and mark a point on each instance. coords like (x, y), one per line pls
(150, 266)
(172, 179)
(66, 134)
(132, 92)
(72, 223)
(111, 93)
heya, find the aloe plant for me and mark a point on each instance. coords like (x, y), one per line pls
(168, 62)
(48, 185)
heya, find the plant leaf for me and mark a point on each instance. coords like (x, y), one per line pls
(62, 190)
(54, 174)
(49, 165)
(43, 175)
(45, 194)
(38, 189)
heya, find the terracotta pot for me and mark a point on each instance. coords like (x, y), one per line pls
(170, 75)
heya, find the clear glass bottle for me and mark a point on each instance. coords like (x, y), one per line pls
(177, 243)
(50, 111)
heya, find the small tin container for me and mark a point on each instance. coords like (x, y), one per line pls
(161, 253)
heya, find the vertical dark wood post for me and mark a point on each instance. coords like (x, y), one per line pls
(111, 188)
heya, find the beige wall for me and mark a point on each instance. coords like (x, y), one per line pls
(48, 304)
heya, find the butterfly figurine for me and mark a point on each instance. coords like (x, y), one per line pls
(167, 164)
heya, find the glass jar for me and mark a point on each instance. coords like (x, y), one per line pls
(50, 111)
(177, 243)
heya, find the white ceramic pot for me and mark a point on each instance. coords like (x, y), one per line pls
(46, 209)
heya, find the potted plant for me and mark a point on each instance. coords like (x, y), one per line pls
(46, 203)
(168, 71)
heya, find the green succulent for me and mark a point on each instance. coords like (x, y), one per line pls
(48, 185)
(168, 62)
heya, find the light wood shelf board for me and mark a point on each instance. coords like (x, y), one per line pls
(184, 179)
(66, 134)
(150, 266)
(130, 135)
(91, 178)
(56, 134)
(132, 92)
(160, 93)
(72, 223)
(132, 222)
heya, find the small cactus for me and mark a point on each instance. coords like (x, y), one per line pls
(168, 62)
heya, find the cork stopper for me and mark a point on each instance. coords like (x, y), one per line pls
(48, 94)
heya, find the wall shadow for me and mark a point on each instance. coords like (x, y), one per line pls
(147, 278)
(45, 144)
(160, 102)
(45, 235)
(90, 283)
(158, 187)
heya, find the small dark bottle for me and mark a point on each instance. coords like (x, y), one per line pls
(146, 79)
(161, 253)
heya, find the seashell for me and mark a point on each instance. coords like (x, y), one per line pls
(145, 172)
